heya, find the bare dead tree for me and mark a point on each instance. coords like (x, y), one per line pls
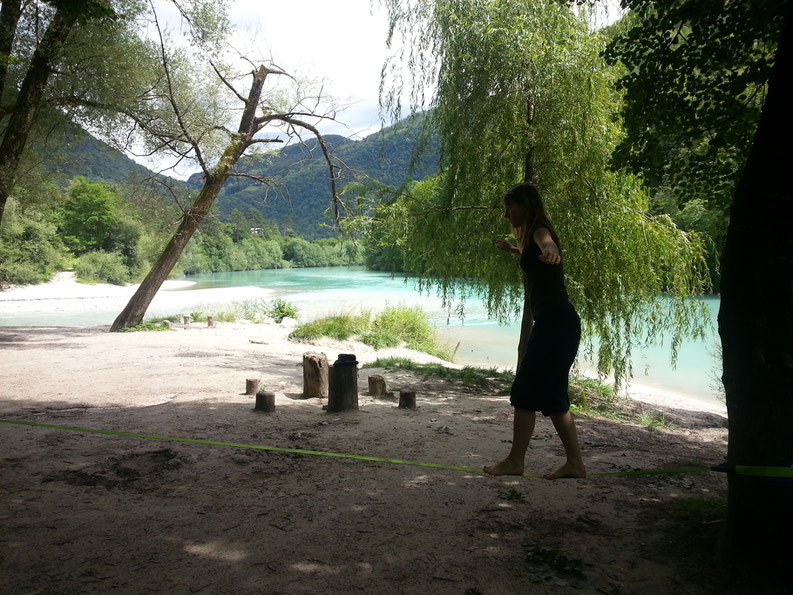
(181, 140)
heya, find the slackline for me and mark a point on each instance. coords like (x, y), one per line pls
(783, 472)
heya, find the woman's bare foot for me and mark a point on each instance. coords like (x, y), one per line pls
(505, 467)
(576, 471)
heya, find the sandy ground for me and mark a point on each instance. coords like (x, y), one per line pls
(84, 512)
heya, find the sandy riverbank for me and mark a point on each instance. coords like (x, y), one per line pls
(65, 294)
(88, 512)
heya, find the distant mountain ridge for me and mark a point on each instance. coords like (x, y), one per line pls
(302, 194)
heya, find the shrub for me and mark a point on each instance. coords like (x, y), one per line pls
(341, 327)
(392, 327)
(280, 309)
(101, 267)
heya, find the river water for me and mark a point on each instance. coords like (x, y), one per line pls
(331, 290)
(323, 291)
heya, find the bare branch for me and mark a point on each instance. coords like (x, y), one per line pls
(172, 193)
(264, 180)
(265, 140)
(227, 83)
(172, 99)
(331, 167)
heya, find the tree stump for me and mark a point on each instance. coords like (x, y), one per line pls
(210, 321)
(265, 401)
(343, 385)
(315, 375)
(252, 386)
(185, 320)
(377, 386)
(407, 399)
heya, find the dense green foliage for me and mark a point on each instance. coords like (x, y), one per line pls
(394, 326)
(112, 234)
(521, 91)
(695, 77)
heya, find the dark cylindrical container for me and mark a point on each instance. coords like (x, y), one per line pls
(343, 384)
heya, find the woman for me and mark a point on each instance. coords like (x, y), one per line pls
(541, 380)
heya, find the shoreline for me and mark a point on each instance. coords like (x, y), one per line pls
(64, 295)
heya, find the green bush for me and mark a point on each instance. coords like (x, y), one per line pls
(341, 327)
(280, 309)
(30, 252)
(102, 267)
(390, 328)
(402, 324)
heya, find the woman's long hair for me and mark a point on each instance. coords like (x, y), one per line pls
(528, 196)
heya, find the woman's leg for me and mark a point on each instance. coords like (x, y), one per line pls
(574, 466)
(522, 430)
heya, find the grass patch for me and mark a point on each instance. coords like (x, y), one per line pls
(147, 326)
(393, 327)
(591, 396)
(161, 319)
(468, 376)
(340, 327)
(654, 421)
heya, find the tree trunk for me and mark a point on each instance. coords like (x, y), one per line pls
(136, 308)
(756, 328)
(407, 399)
(377, 385)
(315, 375)
(28, 100)
(10, 11)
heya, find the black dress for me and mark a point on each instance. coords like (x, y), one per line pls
(541, 381)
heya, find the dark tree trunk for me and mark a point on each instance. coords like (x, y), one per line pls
(756, 328)
(28, 100)
(10, 12)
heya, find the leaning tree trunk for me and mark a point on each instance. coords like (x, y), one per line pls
(136, 308)
(756, 328)
(29, 98)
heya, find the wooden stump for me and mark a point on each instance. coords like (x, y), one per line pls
(377, 386)
(315, 375)
(407, 399)
(343, 385)
(210, 321)
(252, 386)
(265, 401)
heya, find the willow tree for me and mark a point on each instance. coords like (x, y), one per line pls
(518, 91)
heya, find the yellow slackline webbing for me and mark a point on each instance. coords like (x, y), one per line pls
(757, 471)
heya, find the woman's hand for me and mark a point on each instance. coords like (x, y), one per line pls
(506, 246)
(550, 254)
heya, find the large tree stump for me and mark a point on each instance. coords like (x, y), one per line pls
(343, 385)
(315, 375)
(377, 386)
(265, 401)
(252, 386)
(407, 399)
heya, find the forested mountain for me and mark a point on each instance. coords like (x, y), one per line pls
(302, 195)
(68, 151)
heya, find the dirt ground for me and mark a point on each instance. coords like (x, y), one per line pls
(94, 513)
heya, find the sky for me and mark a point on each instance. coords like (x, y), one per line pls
(340, 42)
